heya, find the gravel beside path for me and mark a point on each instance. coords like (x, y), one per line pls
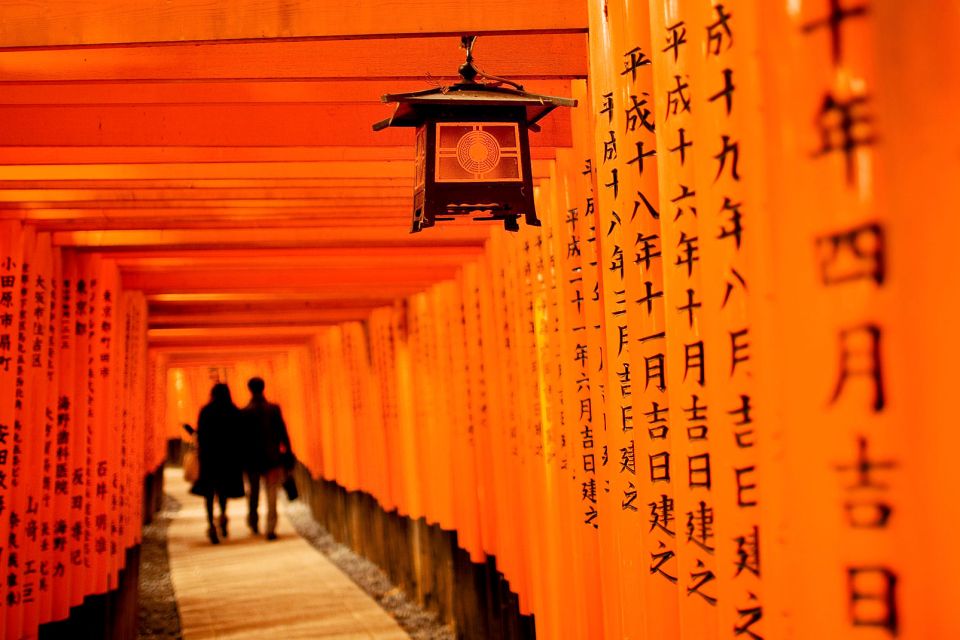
(158, 617)
(417, 622)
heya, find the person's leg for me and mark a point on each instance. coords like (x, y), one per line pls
(253, 517)
(211, 529)
(223, 515)
(272, 480)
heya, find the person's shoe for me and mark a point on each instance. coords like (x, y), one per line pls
(212, 534)
(271, 536)
(223, 526)
(254, 529)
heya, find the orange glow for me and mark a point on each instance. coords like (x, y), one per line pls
(710, 398)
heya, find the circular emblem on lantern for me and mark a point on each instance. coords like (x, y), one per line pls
(478, 152)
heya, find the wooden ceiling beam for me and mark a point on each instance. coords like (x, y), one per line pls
(216, 355)
(200, 184)
(122, 197)
(232, 302)
(259, 318)
(291, 278)
(94, 22)
(208, 170)
(214, 315)
(107, 155)
(252, 239)
(271, 125)
(398, 224)
(352, 295)
(235, 332)
(237, 343)
(131, 93)
(341, 204)
(224, 170)
(201, 219)
(226, 302)
(519, 57)
(350, 257)
(253, 299)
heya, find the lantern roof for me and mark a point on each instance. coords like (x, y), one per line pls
(469, 94)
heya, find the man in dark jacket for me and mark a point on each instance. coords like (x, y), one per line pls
(269, 446)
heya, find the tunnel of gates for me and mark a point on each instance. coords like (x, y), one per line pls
(708, 398)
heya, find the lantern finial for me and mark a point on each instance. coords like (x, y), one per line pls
(467, 71)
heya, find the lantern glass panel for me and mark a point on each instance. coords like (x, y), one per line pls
(478, 152)
(421, 156)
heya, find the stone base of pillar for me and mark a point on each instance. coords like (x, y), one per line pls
(423, 560)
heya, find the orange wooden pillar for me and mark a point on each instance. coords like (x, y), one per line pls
(93, 519)
(384, 362)
(618, 291)
(49, 520)
(132, 385)
(50, 365)
(376, 422)
(852, 268)
(579, 542)
(583, 355)
(346, 432)
(463, 441)
(33, 434)
(80, 440)
(514, 413)
(66, 441)
(687, 349)
(313, 457)
(423, 427)
(492, 445)
(102, 287)
(326, 410)
(413, 503)
(479, 429)
(532, 336)
(916, 103)
(496, 339)
(11, 258)
(657, 473)
(19, 550)
(360, 458)
(154, 450)
(108, 367)
(434, 324)
(727, 156)
(557, 613)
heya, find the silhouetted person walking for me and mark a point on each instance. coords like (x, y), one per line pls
(269, 448)
(221, 468)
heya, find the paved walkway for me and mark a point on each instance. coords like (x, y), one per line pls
(248, 588)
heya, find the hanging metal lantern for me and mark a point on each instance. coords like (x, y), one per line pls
(472, 149)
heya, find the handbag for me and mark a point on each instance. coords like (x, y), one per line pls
(191, 466)
(290, 488)
(288, 461)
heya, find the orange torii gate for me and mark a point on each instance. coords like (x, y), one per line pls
(709, 398)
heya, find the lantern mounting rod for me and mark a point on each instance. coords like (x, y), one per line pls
(469, 72)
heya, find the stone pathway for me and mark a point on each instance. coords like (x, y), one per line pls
(247, 588)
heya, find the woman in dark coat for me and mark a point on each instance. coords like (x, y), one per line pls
(221, 467)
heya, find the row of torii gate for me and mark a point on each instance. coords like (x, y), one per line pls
(707, 398)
